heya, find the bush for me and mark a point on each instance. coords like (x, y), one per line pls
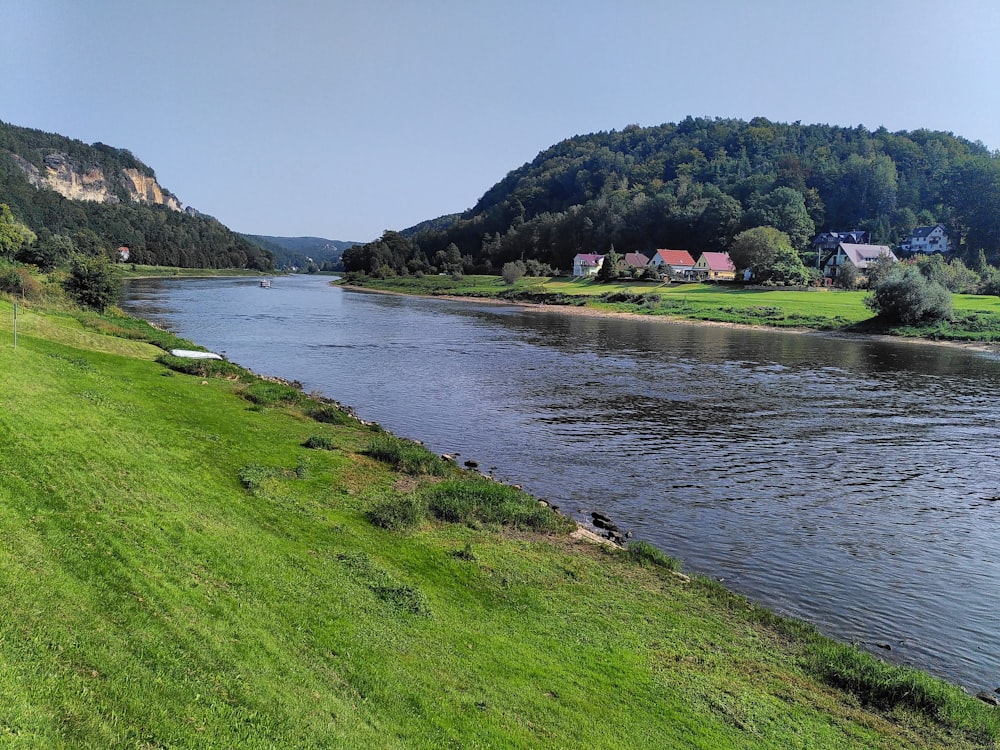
(907, 298)
(405, 455)
(320, 442)
(513, 271)
(20, 282)
(471, 500)
(92, 282)
(328, 413)
(397, 513)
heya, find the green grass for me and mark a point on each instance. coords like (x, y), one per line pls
(977, 317)
(178, 570)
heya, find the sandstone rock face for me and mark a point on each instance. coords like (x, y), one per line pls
(80, 182)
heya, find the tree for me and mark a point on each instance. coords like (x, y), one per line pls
(47, 251)
(609, 268)
(92, 281)
(847, 275)
(13, 234)
(907, 297)
(757, 248)
(783, 209)
(879, 270)
(512, 271)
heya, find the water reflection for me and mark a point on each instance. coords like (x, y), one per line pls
(844, 481)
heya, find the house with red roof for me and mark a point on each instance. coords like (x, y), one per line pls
(673, 262)
(587, 264)
(715, 267)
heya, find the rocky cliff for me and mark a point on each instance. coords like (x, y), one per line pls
(76, 180)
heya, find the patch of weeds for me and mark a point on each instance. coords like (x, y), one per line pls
(644, 553)
(302, 467)
(400, 596)
(78, 362)
(465, 553)
(329, 413)
(271, 393)
(204, 368)
(253, 476)
(405, 455)
(397, 513)
(320, 443)
(482, 500)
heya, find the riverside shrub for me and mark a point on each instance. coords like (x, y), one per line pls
(908, 298)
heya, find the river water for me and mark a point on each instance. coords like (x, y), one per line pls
(850, 483)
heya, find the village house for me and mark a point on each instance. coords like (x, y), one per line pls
(825, 244)
(635, 260)
(860, 256)
(927, 240)
(715, 267)
(587, 264)
(672, 262)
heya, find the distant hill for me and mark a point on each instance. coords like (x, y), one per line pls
(99, 196)
(297, 252)
(694, 184)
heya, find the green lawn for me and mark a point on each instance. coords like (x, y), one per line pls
(179, 570)
(977, 317)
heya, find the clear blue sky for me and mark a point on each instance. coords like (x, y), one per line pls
(341, 119)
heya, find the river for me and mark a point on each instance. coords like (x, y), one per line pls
(851, 483)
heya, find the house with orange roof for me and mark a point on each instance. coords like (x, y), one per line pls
(672, 262)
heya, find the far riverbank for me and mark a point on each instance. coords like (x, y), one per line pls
(808, 311)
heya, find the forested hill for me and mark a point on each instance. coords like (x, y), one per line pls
(695, 184)
(304, 253)
(91, 197)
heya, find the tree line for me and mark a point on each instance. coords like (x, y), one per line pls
(699, 183)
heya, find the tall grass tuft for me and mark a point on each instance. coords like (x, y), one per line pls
(405, 455)
(398, 513)
(888, 686)
(272, 393)
(644, 553)
(486, 501)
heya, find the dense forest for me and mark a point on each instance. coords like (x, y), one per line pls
(154, 234)
(696, 184)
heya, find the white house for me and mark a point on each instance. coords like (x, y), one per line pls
(674, 262)
(860, 256)
(587, 264)
(927, 240)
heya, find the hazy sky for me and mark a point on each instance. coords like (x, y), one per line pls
(342, 119)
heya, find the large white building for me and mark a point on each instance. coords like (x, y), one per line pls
(927, 240)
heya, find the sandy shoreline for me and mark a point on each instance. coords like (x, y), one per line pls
(591, 312)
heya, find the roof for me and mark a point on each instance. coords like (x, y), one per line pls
(924, 231)
(636, 259)
(588, 259)
(862, 255)
(674, 258)
(717, 261)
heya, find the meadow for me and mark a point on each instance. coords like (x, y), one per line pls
(976, 318)
(195, 556)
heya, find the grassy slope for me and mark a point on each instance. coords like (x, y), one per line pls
(977, 317)
(151, 600)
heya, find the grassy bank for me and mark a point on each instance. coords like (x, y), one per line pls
(195, 557)
(138, 271)
(977, 317)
